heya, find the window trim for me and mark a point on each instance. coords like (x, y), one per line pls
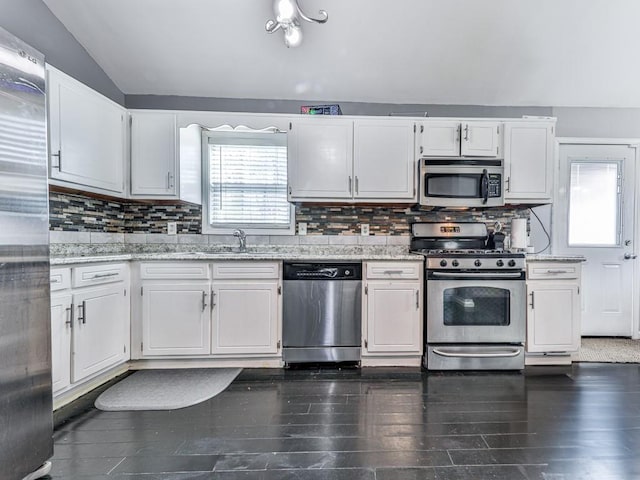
(247, 228)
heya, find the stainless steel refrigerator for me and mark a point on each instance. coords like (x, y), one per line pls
(26, 425)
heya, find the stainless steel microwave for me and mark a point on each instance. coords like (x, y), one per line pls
(461, 182)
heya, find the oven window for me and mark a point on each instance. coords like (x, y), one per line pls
(452, 185)
(476, 306)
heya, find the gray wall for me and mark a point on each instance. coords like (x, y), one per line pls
(33, 22)
(598, 122)
(348, 108)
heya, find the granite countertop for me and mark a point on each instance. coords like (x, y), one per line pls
(71, 257)
(555, 258)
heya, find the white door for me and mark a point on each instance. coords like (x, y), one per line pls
(553, 317)
(99, 330)
(86, 132)
(245, 317)
(439, 139)
(479, 139)
(384, 162)
(153, 154)
(320, 154)
(175, 318)
(393, 317)
(594, 216)
(528, 156)
(61, 325)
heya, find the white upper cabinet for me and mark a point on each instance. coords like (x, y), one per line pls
(320, 159)
(383, 159)
(528, 161)
(363, 159)
(455, 139)
(154, 159)
(86, 136)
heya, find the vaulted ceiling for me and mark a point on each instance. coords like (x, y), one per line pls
(474, 52)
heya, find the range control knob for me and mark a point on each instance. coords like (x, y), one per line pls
(512, 263)
(477, 263)
(500, 263)
(455, 263)
(443, 263)
(347, 273)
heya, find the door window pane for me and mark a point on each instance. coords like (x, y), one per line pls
(594, 203)
(471, 306)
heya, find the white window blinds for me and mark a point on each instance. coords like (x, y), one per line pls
(248, 180)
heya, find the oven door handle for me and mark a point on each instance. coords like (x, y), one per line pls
(506, 353)
(462, 276)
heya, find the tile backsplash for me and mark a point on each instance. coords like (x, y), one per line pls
(73, 212)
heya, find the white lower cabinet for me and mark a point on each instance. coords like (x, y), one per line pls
(245, 317)
(184, 313)
(175, 318)
(61, 323)
(99, 330)
(392, 310)
(553, 311)
(393, 316)
(89, 324)
(553, 315)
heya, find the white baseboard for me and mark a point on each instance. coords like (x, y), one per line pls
(391, 361)
(207, 363)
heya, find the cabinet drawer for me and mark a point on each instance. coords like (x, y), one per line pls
(553, 271)
(394, 270)
(239, 270)
(99, 274)
(60, 278)
(176, 270)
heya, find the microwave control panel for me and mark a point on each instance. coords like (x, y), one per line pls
(495, 185)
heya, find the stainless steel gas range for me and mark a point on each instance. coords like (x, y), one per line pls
(475, 298)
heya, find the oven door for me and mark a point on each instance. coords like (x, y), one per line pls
(461, 186)
(476, 307)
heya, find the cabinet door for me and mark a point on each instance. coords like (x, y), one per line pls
(320, 153)
(153, 154)
(480, 139)
(99, 329)
(86, 135)
(175, 318)
(528, 161)
(61, 325)
(393, 317)
(553, 317)
(245, 317)
(439, 139)
(384, 161)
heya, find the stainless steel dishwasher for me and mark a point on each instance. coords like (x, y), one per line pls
(322, 312)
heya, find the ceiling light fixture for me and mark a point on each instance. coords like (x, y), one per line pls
(288, 15)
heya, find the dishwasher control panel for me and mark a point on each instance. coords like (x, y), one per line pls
(322, 271)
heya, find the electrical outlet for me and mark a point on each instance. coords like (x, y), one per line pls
(364, 229)
(172, 228)
(302, 228)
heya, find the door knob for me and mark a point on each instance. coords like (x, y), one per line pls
(629, 256)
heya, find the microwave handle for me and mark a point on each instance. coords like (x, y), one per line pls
(484, 186)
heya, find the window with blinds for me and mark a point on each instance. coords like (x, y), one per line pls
(247, 180)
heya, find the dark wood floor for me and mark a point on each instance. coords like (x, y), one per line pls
(580, 422)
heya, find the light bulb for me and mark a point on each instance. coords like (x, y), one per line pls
(286, 10)
(292, 36)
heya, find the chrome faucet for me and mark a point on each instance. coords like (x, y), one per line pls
(242, 238)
